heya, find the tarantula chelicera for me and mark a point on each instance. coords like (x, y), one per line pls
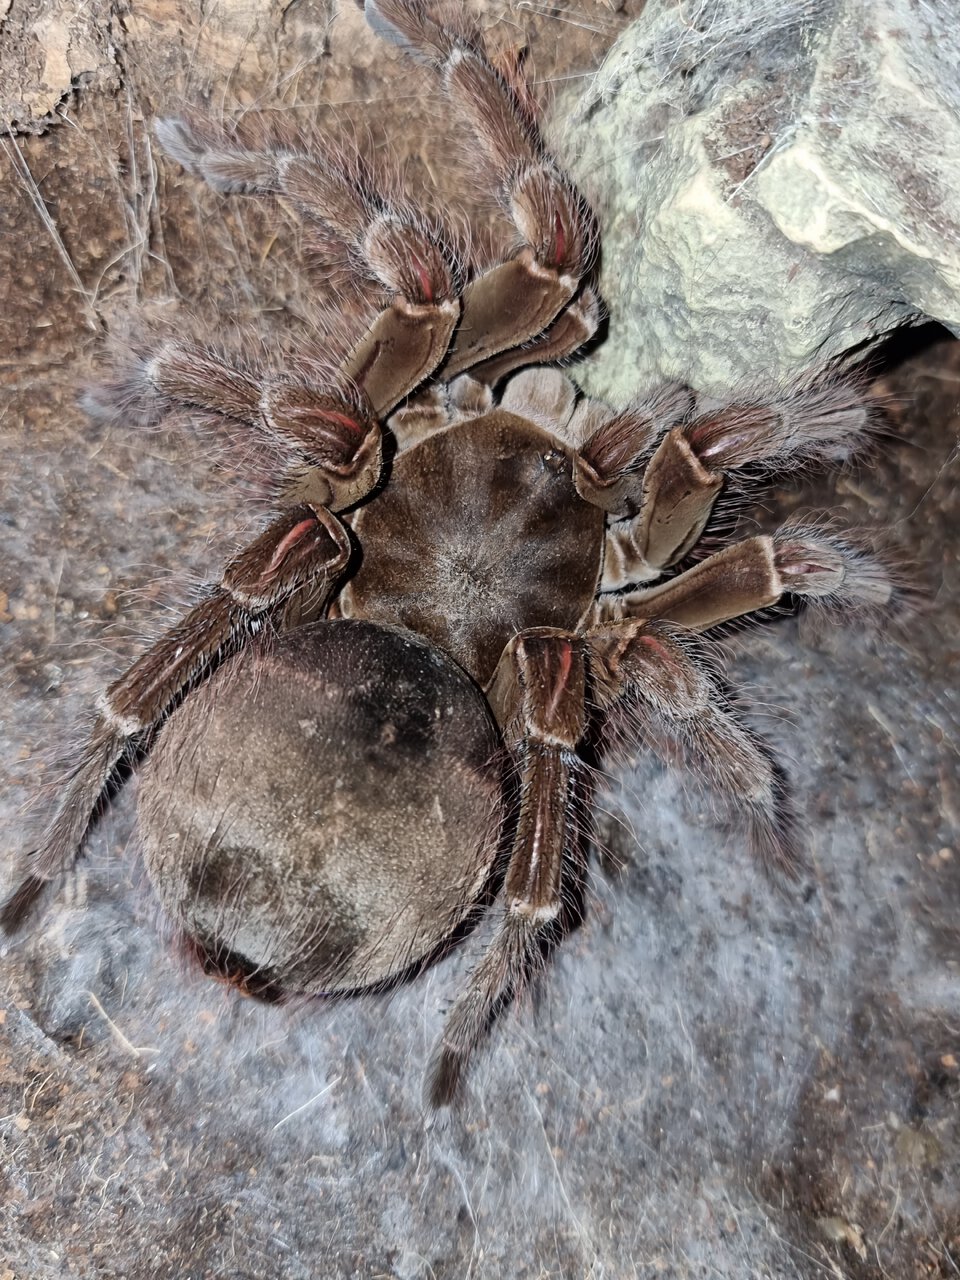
(475, 581)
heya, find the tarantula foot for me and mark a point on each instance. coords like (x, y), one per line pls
(831, 571)
(20, 904)
(444, 1077)
(774, 835)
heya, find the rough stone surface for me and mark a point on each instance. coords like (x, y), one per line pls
(780, 182)
(47, 53)
(717, 1082)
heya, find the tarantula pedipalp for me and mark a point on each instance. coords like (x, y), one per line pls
(395, 680)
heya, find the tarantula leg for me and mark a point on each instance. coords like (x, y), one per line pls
(737, 580)
(517, 300)
(819, 422)
(330, 441)
(305, 545)
(503, 308)
(649, 672)
(538, 693)
(753, 574)
(400, 350)
(572, 328)
(611, 462)
(422, 416)
(387, 242)
(676, 502)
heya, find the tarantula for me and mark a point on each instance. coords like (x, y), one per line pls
(476, 580)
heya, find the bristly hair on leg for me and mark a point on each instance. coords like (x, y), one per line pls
(841, 577)
(511, 958)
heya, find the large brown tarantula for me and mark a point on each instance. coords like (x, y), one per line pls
(405, 673)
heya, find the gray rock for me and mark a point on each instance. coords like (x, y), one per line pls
(778, 183)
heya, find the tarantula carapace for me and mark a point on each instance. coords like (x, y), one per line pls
(472, 573)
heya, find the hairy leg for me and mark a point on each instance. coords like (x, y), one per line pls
(651, 677)
(824, 569)
(517, 300)
(386, 243)
(538, 696)
(660, 487)
(305, 545)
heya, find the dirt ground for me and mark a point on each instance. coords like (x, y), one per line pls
(715, 1080)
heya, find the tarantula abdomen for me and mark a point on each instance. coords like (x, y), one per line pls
(323, 813)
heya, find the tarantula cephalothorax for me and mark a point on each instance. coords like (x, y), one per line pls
(397, 678)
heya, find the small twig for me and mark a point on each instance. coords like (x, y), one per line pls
(308, 1103)
(120, 1037)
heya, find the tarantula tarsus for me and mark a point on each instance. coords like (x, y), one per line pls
(472, 572)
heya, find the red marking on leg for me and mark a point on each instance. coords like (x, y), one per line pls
(424, 275)
(798, 568)
(657, 646)
(796, 559)
(296, 534)
(343, 420)
(705, 445)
